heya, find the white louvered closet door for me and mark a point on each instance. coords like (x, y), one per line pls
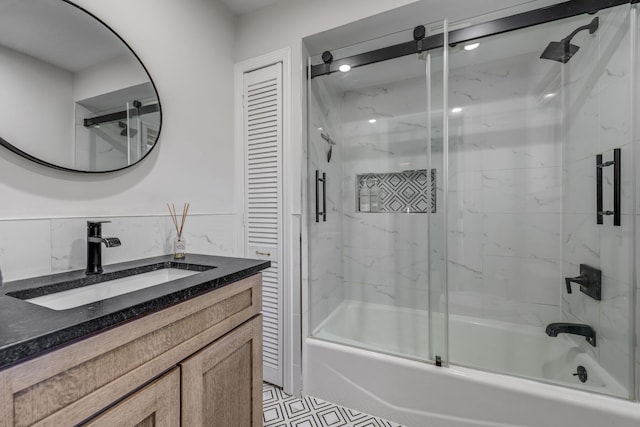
(262, 101)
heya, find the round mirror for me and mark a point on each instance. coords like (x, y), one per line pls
(74, 95)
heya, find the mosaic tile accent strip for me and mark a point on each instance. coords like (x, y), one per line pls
(282, 410)
(399, 191)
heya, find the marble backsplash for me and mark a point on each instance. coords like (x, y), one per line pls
(33, 247)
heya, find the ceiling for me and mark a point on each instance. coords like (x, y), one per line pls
(240, 7)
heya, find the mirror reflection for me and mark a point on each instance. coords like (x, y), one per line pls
(75, 96)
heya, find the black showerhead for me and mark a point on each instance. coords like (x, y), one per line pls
(125, 128)
(563, 50)
(560, 51)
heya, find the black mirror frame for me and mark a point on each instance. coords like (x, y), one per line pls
(6, 144)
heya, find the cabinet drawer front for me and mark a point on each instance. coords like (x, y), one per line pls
(155, 405)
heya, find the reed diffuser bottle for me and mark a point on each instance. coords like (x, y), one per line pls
(179, 244)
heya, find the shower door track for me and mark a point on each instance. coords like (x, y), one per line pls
(497, 26)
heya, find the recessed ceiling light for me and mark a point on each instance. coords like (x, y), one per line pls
(344, 68)
(550, 95)
(319, 128)
(372, 120)
(471, 46)
(456, 109)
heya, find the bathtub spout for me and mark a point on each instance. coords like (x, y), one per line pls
(553, 329)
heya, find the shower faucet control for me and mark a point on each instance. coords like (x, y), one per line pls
(94, 246)
(590, 281)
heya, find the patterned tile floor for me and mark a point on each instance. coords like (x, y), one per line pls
(282, 410)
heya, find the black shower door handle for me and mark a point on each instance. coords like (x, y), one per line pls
(324, 197)
(600, 212)
(322, 212)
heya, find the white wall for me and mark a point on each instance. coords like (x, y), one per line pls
(188, 48)
(42, 93)
(114, 74)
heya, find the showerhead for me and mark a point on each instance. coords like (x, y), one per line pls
(563, 50)
(125, 129)
(560, 51)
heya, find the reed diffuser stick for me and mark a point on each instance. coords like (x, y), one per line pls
(174, 217)
(185, 210)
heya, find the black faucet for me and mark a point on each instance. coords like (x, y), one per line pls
(553, 329)
(94, 246)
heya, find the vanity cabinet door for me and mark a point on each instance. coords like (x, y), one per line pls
(222, 383)
(155, 405)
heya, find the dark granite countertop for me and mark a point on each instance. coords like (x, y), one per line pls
(28, 330)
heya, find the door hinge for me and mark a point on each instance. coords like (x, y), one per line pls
(438, 361)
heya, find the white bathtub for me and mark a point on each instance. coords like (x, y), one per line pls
(422, 395)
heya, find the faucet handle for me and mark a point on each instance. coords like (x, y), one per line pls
(590, 281)
(582, 280)
(111, 242)
(567, 281)
(90, 223)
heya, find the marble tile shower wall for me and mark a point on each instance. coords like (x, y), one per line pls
(504, 192)
(325, 275)
(385, 254)
(33, 247)
(598, 120)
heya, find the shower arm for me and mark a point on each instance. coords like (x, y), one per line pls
(591, 26)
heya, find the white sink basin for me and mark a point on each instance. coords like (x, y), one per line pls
(100, 291)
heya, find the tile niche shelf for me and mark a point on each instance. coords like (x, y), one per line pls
(398, 192)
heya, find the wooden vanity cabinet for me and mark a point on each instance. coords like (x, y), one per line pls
(198, 363)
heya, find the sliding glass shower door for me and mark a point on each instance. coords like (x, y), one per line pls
(370, 191)
(534, 120)
(598, 234)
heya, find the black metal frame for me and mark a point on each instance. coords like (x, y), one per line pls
(122, 115)
(473, 32)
